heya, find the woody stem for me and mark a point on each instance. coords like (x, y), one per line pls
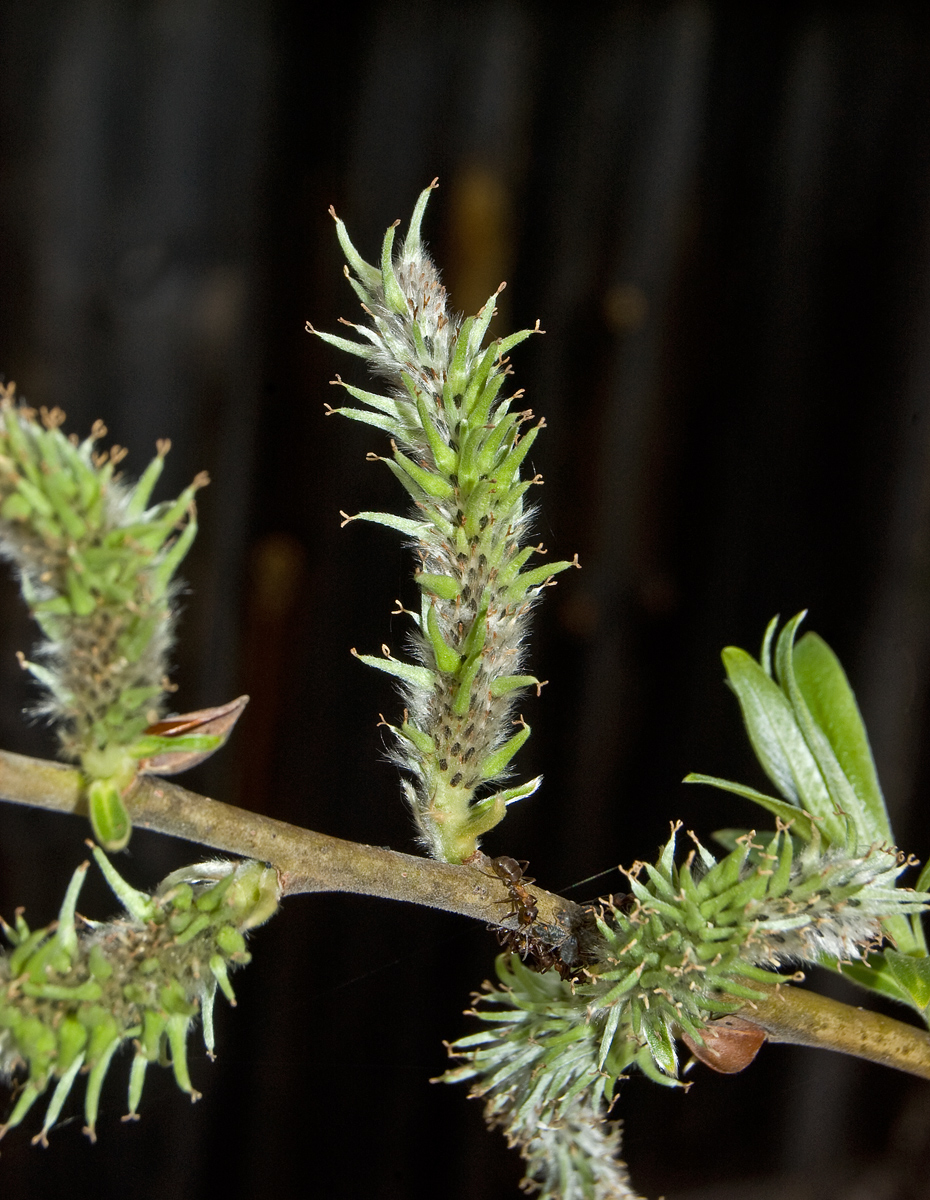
(307, 861)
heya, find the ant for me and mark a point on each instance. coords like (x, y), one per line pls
(512, 874)
(539, 955)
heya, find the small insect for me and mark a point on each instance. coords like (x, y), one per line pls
(541, 956)
(512, 874)
(537, 952)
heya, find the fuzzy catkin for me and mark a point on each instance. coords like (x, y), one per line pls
(72, 994)
(693, 941)
(96, 568)
(458, 450)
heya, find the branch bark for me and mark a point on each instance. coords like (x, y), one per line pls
(306, 861)
(803, 1018)
(314, 862)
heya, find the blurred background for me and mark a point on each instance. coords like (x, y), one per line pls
(721, 214)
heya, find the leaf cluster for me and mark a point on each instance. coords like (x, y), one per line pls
(804, 724)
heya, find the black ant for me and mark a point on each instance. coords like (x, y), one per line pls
(539, 955)
(512, 873)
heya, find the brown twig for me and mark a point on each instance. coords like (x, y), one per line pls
(314, 862)
(305, 861)
(802, 1018)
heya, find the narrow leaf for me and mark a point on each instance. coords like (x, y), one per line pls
(443, 586)
(342, 343)
(432, 484)
(778, 742)
(661, 1046)
(843, 798)
(379, 420)
(766, 657)
(369, 275)
(789, 813)
(832, 704)
(412, 240)
(446, 658)
(512, 795)
(393, 293)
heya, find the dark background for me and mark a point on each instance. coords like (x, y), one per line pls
(720, 213)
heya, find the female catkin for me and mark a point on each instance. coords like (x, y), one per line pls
(458, 450)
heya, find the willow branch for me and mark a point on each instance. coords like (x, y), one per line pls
(307, 861)
(802, 1018)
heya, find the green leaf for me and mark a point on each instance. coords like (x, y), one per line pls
(765, 658)
(142, 492)
(138, 904)
(495, 444)
(477, 381)
(832, 704)
(412, 240)
(482, 321)
(507, 470)
(15, 508)
(341, 343)
(800, 822)
(913, 974)
(506, 344)
(369, 275)
(383, 403)
(487, 398)
(661, 1046)
(379, 420)
(432, 484)
(537, 577)
(446, 658)
(874, 977)
(423, 742)
(511, 795)
(36, 497)
(778, 741)
(462, 697)
(444, 456)
(512, 569)
(393, 293)
(842, 798)
(173, 557)
(484, 816)
(923, 880)
(456, 378)
(405, 525)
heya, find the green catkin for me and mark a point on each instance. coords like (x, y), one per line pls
(73, 994)
(698, 939)
(552, 1049)
(96, 567)
(457, 450)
